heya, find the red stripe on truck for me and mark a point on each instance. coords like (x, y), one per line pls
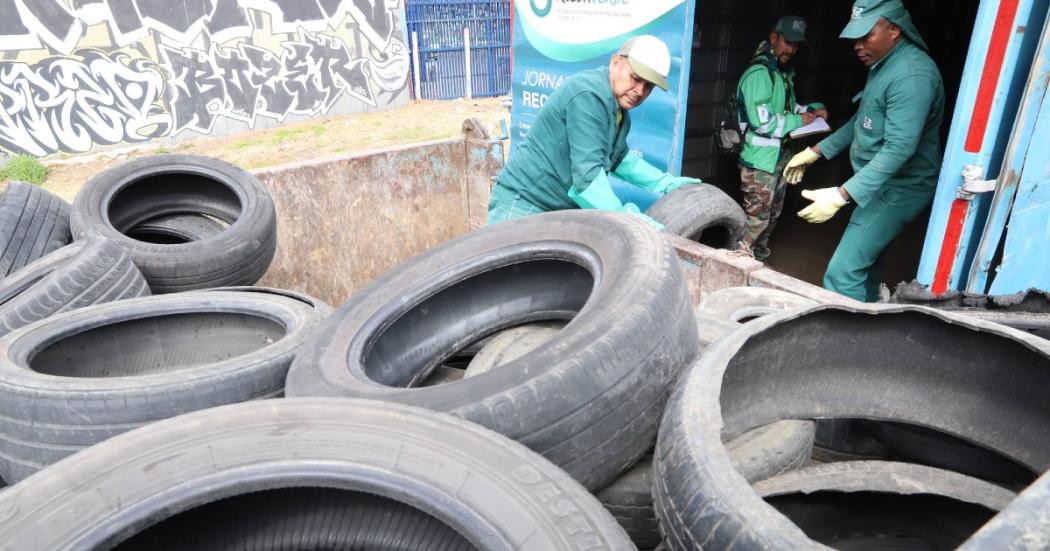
(993, 65)
(950, 247)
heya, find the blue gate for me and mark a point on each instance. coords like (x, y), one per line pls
(439, 26)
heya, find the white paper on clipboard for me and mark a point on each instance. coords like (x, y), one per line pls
(818, 126)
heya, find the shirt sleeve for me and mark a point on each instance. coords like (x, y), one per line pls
(907, 107)
(757, 90)
(587, 128)
(839, 140)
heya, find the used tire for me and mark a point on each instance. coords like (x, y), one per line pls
(72, 277)
(33, 223)
(884, 505)
(690, 211)
(171, 229)
(741, 304)
(80, 377)
(113, 203)
(317, 304)
(792, 366)
(1022, 525)
(433, 474)
(589, 400)
(758, 454)
(511, 344)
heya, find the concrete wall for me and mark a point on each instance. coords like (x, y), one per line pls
(344, 221)
(76, 75)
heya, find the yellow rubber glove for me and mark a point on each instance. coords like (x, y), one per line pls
(826, 202)
(796, 167)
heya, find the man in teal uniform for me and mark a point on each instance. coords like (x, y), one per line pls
(580, 137)
(766, 95)
(894, 146)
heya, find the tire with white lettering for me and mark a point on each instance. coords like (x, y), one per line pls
(33, 223)
(690, 211)
(308, 474)
(589, 399)
(113, 203)
(75, 276)
(79, 377)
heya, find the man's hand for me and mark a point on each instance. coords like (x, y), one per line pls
(796, 167)
(826, 202)
(808, 118)
(822, 113)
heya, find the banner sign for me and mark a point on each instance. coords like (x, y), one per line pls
(554, 39)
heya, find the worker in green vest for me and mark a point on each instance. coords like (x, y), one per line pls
(893, 141)
(766, 95)
(580, 138)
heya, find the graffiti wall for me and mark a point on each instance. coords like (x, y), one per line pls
(78, 74)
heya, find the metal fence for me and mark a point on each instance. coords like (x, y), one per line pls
(438, 26)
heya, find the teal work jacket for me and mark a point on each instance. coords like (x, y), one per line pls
(574, 137)
(894, 137)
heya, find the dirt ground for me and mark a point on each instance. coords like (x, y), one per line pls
(416, 122)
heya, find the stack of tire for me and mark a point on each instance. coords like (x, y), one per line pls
(627, 419)
(129, 306)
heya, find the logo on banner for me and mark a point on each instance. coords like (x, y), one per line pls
(544, 11)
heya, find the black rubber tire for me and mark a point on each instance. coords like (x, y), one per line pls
(690, 210)
(80, 377)
(589, 400)
(847, 440)
(757, 455)
(793, 366)
(75, 276)
(317, 304)
(872, 505)
(741, 304)
(929, 447)
(1023, 525)
(172, 229)
(494, 492)
(888, 477)
(119, 199)
(33, 223)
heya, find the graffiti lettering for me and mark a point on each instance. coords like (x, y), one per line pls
(64, 104)
(310, 76)
(30, 24)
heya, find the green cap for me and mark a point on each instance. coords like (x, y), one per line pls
(867, 12)
(792, 27)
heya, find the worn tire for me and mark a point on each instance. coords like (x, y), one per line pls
(589, 400)
(80, 377)
(511, 344)
(171, 229)
(882, 505)
(689, 211)
(72, 277)
(740, 304)
(114, 202)
(33, 223)
(789, 366)
(494, 492)
(1023, 525)
(321, 306)
(758, 454)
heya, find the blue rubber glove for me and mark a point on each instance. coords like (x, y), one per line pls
(636, 171)
(599, 195)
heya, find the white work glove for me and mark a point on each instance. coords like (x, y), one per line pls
(826, 202)
(796, 167)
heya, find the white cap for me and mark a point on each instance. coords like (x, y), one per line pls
(649, 57)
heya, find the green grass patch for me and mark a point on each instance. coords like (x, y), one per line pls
(24, 168)
(283, 135)
(163, 151)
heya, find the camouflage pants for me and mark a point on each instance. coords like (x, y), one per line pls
(763, 202)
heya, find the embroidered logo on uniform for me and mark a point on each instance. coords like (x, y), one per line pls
(867, 123)
(763, 114)
(857, 13)
(799, 26)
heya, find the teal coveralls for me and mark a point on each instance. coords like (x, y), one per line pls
(894, 147)
(575, 136)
